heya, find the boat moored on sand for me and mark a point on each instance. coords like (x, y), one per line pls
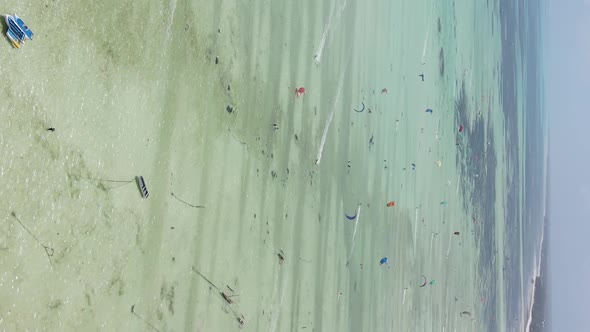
(17, 31)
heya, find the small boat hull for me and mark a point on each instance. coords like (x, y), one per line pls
(17, 31)
(24, 27)
(142, 186)
(14, 39)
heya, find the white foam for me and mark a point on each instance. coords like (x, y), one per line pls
(534, 286)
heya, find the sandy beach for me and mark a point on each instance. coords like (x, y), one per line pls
(199, 99)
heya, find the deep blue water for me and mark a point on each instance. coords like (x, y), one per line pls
(522, 93)
(524, 217)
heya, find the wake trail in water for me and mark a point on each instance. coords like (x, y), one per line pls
(324, 136)
(431, 242)
(172, 11)
(330, 116)
(278, 308)
(318, 53)
(356, 223)
(449, 245)
(415, 230)
(533, 289)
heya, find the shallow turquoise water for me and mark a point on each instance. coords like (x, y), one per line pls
(199, 98)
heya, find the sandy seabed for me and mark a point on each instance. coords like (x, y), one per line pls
(198, 97)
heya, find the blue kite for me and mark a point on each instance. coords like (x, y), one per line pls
(350, 217)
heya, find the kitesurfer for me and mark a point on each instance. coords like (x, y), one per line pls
(422, 76)
(281, 256)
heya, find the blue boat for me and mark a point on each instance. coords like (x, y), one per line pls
(17, 31)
